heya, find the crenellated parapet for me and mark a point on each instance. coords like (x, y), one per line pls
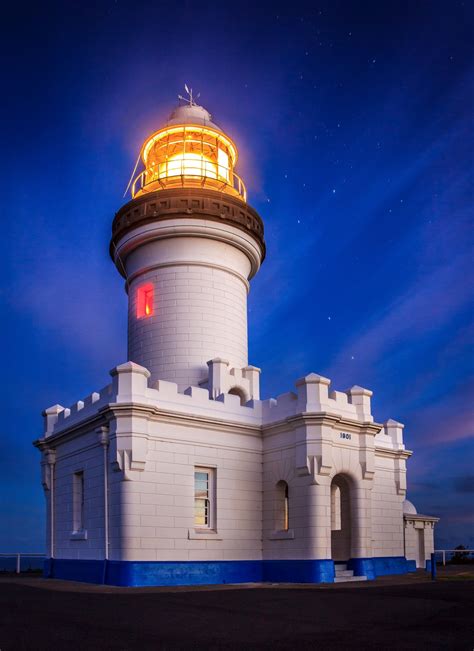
(223, 379)
(58, 418)
(230, 396)
(130, 387)
(313, 396)
(391, 435)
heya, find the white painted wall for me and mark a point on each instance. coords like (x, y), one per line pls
(200, 312)
(387, 510)
(159, 435)
(199, 270)
(416, 527)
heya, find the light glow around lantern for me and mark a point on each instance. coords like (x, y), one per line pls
(189, 155)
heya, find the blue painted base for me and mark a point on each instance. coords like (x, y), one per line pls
(380, 566)
(173, 573)
(304, 571)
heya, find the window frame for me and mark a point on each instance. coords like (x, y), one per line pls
(78, 502)
(145, 300)
(281, 512)
(211, 525)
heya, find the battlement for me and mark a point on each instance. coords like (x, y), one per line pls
(312, 396)
(130, 385)
(216, 400)
(391, 436)
(58, 418)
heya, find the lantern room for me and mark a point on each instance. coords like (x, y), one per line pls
(190, 151)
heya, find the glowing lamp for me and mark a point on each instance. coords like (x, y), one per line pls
(190, 151)
(144, 301)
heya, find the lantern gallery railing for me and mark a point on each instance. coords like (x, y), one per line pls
(189, 171)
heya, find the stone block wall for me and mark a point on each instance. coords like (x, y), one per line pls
(387, 510)
(84, 455)
(419, 538)
(157, 437)
(158, 505)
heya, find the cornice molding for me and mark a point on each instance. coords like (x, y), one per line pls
(190, 203)
(322, 418)
(399, 454)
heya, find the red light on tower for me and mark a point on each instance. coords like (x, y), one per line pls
(145, 301)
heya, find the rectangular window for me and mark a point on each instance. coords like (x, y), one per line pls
(145, 301)
(78, 501)
(204, 498)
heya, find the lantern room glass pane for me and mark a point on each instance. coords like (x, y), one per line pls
(223, 165)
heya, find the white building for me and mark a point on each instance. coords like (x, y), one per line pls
(177, 472)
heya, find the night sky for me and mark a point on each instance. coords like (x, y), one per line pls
(353, 122)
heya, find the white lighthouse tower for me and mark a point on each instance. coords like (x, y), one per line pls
(188, 244)
(176, 472)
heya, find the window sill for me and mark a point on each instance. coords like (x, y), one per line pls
(78, 535)
(203, 534)
(282, 535)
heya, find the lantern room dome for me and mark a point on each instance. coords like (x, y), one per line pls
(191, 114)
(190, 150)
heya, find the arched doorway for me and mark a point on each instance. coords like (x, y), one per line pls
(341, 521)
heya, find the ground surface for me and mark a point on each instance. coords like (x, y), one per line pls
(408, 612)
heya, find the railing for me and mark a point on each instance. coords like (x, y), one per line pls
(454, 552)
(16, 560)
(189, 172)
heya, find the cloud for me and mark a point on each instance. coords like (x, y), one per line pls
(430, 303)
(72, 294)
(445, 420)
(464, 484)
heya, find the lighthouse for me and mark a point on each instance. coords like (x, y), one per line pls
(177, 471)
(187, 244)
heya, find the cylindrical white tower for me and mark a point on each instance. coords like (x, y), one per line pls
(187, 244)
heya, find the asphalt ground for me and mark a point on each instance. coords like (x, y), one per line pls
(409, 612)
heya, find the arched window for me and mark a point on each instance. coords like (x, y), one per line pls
(282, 507)
(335, 507)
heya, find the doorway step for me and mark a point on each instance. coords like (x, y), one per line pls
(343, 575)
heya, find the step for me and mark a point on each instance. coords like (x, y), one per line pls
(344, 572)
(347, 579)
(340, 566)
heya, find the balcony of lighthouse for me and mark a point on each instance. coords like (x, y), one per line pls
(189, 152)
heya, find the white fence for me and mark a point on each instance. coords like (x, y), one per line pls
(16, 558)
(453, 552)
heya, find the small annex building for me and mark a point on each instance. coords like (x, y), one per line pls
(177, 472)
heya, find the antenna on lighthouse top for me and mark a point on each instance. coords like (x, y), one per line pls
(190, 99)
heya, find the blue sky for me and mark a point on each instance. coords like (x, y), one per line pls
(353, 122)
